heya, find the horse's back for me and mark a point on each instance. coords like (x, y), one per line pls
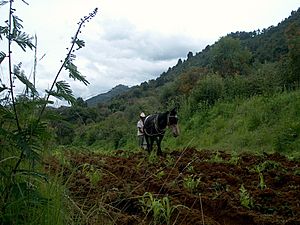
(149, 125)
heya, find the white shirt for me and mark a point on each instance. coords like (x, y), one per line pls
(140, 124)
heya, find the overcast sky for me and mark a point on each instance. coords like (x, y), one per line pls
(131, 41)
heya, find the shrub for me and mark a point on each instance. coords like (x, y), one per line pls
(208, 90)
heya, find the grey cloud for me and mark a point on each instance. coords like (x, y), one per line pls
(149, 45)
(115, 30)
(123, 55)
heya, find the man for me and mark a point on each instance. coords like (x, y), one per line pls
(140, 132)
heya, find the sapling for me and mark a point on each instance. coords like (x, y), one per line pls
(22, 119)
(259, 169)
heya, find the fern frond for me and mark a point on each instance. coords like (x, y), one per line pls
(21, 76)
(2, 56)
(6, 114)
(3, 2)
(74, 73)
(63, 92)
(17, 22)
(3, 88)
(80, 43)
(33, 174)
(35, 129)
(23, 40)
(27, 145)
(4, 31)
(63, 87)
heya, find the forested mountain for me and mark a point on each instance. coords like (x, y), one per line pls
(265, 46)
(268, 45)
(105, 97)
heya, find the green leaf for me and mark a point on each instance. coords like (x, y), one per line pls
(80, 43)
(8, 159)
(28, 145)
(63, 92)
(3, 88)
(3, 31)
(21, 76)
(23, 40)
(24, 192)
(25, 2)
(5, 113)
(16, 21)
(36, 129)
(2, 56)
(74, 73)
(3, 3)
(33, 174)
(3, 173)
(63, 87)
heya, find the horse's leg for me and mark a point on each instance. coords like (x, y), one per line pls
(148, 142)
(151, 144)
(158, 142)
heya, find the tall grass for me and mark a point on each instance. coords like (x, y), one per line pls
(258, 124)
(54, 211)
(35, 200)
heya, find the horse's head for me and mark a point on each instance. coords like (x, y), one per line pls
(173, 122)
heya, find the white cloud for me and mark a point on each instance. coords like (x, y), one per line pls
(123, 55)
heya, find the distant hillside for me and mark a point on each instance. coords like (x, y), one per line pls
(105, 97)
(267, 46)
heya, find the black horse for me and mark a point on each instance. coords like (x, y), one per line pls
(155, 127)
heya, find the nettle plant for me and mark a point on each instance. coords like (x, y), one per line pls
(23, 123)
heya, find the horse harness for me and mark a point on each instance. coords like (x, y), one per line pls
(157, 130)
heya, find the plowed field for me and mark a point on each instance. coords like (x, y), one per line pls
(183, 187)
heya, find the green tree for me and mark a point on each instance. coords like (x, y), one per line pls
(208, 90)
(292, 34)
(228, 57)
(80, 102)
(187, 80)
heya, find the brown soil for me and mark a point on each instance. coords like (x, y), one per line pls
(109, 190)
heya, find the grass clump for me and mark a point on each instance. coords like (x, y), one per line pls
(191, 183)
(245, 199)
(160, 209)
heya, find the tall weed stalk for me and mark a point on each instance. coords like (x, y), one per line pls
(23, 123)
